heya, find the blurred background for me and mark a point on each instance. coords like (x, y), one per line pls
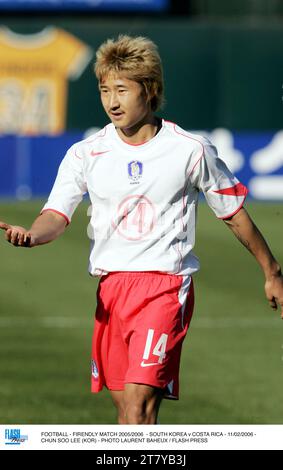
(223, 67)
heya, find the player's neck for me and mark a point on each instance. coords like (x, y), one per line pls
(142, 132)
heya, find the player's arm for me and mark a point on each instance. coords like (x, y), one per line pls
(47, 227)
(249, 235)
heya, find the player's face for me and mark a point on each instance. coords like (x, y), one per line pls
(124, 101)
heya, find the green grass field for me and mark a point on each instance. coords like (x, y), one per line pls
(232, 362)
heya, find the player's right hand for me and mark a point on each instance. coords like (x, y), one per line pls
(17, 236)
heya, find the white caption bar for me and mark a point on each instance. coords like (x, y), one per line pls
(139, 438)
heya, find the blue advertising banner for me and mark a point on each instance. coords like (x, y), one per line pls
(28, 165)
(96, 5)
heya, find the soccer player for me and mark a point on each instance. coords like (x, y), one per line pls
(143, 175)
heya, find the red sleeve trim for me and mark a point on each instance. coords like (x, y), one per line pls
(237, 210)
(57, 212)
(236, 190)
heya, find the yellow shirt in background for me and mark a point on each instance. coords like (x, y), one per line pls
(34, 70)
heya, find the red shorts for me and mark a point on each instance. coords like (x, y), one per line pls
(141, 321)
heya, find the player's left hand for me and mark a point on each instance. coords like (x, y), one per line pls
(274, 292)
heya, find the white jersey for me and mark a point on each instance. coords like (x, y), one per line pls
(144, 197)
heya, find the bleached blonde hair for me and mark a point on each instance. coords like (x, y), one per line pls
(135, 58)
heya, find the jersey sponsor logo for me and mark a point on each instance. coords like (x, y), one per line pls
(135, 170)
(94, 369)
(94, 154)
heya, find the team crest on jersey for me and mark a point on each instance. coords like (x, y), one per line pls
(94, 369)
(135, 169)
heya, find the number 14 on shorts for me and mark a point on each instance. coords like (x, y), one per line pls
(156, 349)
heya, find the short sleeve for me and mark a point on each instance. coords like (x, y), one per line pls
(69, 187)
(223, 192)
